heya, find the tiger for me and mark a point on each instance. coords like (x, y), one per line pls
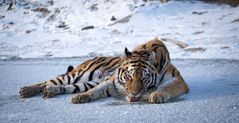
(144, 74)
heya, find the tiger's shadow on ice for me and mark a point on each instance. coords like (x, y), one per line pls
(121, 102)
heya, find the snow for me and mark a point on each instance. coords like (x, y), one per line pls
(214, 95)
(208, 29)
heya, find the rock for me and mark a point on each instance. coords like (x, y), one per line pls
(115, 32)
(28, 31)
(11, 23)
(236, 20)
(26, 13)
(51, 18)
(2, 16)
(123, 20)
(199, 13)
(57, 10)
(42, 10)
(51, 2)
(196, 49)
(62, 25)
(88, 27)
(224, 47)
(49, 54)
(10, 6)
(198, 32)
(113, 18)
(142, 5)
(93, 7)
(176, 42)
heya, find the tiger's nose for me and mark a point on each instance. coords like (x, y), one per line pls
(134, 93)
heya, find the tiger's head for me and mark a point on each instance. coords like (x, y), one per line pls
(136, 74)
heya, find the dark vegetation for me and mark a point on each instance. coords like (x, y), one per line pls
(233, 3)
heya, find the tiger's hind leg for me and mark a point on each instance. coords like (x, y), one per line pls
(33, 90)
(29, 91)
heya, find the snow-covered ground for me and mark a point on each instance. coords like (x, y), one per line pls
(213, 98)
(41, 29)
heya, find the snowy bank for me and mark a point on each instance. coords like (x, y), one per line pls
(41, 29)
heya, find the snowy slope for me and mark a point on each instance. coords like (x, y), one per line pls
(41, 29)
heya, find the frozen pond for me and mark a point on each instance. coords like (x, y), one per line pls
(214, 96)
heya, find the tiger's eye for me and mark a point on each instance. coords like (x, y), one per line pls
(126, 78)
(147, 75)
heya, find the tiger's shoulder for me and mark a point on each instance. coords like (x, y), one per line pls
(159, 51)
(151, 45)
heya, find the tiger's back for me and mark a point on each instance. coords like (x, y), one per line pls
(96, 69)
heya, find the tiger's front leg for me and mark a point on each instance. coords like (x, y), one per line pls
(104, 89)
(172, 88)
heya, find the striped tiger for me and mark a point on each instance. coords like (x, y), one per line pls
(145, 74)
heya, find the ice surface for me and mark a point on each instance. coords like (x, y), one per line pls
(214, 96)
(55, 30)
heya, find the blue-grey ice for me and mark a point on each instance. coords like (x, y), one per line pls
(214, 96)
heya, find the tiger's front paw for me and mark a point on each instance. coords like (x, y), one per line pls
(158, 97)
(81, 98)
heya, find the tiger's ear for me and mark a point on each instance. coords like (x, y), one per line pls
(152, 58)
(127, 53)
(70, 68)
